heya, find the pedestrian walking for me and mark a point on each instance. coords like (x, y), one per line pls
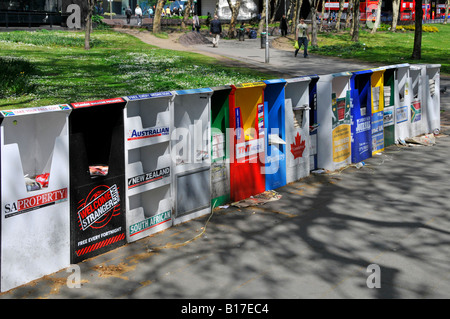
(215, 29)
(283, 26)
(138, 14)
(128, 13)
(302, 35)
(195, 23)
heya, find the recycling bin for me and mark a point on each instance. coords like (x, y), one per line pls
(433, 98)
(275, 142)
(334, 118)
(148, 164)
(97, 177)
(241, 34)
(402, 102)
(35, 231)
(417, 78)
(389, 90)
(377, 93)
(361, 114)
(297, 115)
(191, 149)
(247, 162)
(313, 123)
(220, 155)
(263, 40)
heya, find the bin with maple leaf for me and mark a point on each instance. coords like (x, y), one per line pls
(297, 107)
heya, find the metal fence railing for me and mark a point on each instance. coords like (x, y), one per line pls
(29, 18)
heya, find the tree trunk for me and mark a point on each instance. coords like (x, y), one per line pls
(87, 35)
(417, 49)
(276, 6)
(262, 21)
(395, 10)
(186, 13)
(234, 14)
(314, 6)
(216, 10)
(447, 5)
(341, 8)
(157, 16)
(378, 18)
(289, 15)
(323, 15)
(349, 14)
(355, 22)
(296, 17)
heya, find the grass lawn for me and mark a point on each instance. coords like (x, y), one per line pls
(387, 48)
(51, 67)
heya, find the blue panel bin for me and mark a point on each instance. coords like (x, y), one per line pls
(361, 113)
(274, 99)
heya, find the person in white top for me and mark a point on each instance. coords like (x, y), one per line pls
(138, 14)
(302, 35)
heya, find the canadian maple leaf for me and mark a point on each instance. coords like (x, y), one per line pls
(298, 146)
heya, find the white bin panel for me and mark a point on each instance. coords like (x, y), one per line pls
(35, 224)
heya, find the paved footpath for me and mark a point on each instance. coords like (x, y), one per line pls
(328, 237)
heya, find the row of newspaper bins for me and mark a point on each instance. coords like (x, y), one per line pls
(81, 179)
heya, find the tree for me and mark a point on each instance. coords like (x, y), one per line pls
(263, 20)
(322, 15)
(349, 14)
(447, 5)
(378, 17)
(417, 49)
(157, 17)
(314, 5)
(276, 6)
(187, 11)
(87, 35)
(341, 8)
(234, 14)
(395, 10)
(355, 21)
(296, 17)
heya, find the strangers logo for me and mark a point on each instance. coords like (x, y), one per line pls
(99, 207)
(35, 202)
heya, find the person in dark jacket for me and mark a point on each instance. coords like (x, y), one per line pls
(283, 26)
(215, 29)
(128, 13)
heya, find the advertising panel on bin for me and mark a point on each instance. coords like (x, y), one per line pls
(97, 177)
(361, 115)
(247, 146)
